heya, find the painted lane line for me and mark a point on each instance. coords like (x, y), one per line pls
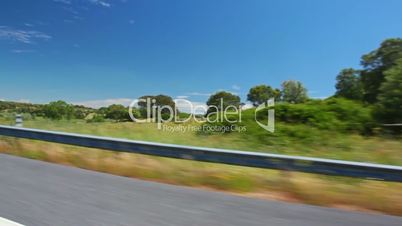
(5, 222)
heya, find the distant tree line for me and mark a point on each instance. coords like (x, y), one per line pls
(290, 92)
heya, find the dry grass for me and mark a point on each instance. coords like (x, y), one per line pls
(340, 192)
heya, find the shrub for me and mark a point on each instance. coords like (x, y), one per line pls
(96, 118)
(58, 110)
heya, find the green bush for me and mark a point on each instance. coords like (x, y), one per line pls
(96, 118)
(334, 114)
(353, 115)
(58, 110)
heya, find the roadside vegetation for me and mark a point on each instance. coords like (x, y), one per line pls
(348, 126)
(340, 192)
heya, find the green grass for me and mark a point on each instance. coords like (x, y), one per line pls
(290, 139)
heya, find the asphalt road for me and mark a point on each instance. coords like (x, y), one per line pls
(39, 193)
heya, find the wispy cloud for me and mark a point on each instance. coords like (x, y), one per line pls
(19, 100)
(105, 102)
(320, 97)
(199, 94)
(18, 51)
(68, 21)
(27, 101)
(24, 36)
(247, 106)
(96, 2)
(235, 87)
(192, 107)
(182, 97)
(101, 3)
(68, 2)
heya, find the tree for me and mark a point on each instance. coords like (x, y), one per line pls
(375, 64)
(220, 100)
(58, 110)
(294, 92)
(390, 98)
(102, 111)
(117, 112)
(157, 101)
(261, 94)
(349, 85)
(163, 100)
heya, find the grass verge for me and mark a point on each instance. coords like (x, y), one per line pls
(350, 193)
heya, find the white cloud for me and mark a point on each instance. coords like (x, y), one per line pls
(24, 36)
(105, 102)
(247, 106)
(192, 107)
(26, 101)
(22, 51)
(320, 97)
(182, 97)
(96, 2)
(235, 87)
(101, 3)
(199, 94)
(68, 2)
(188, 107)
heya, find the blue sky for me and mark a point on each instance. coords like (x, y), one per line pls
(113, 50)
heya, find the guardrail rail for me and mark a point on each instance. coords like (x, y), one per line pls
(233, 157)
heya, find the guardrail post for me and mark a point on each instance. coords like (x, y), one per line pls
(18, 120)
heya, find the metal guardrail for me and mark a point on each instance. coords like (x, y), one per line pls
(242, 158)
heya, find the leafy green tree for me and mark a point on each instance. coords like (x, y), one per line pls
(58, 110)
(117, 112)
(376, 63)
(390, 98)
(164, 100)
(81, 112)
(261, 94)
(349, 85)
(294, 92)
(222, 99)
(102, 111)
(157, 101)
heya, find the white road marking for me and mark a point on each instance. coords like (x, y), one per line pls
(5, 222)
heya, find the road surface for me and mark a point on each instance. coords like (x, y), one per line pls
(39, 193)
